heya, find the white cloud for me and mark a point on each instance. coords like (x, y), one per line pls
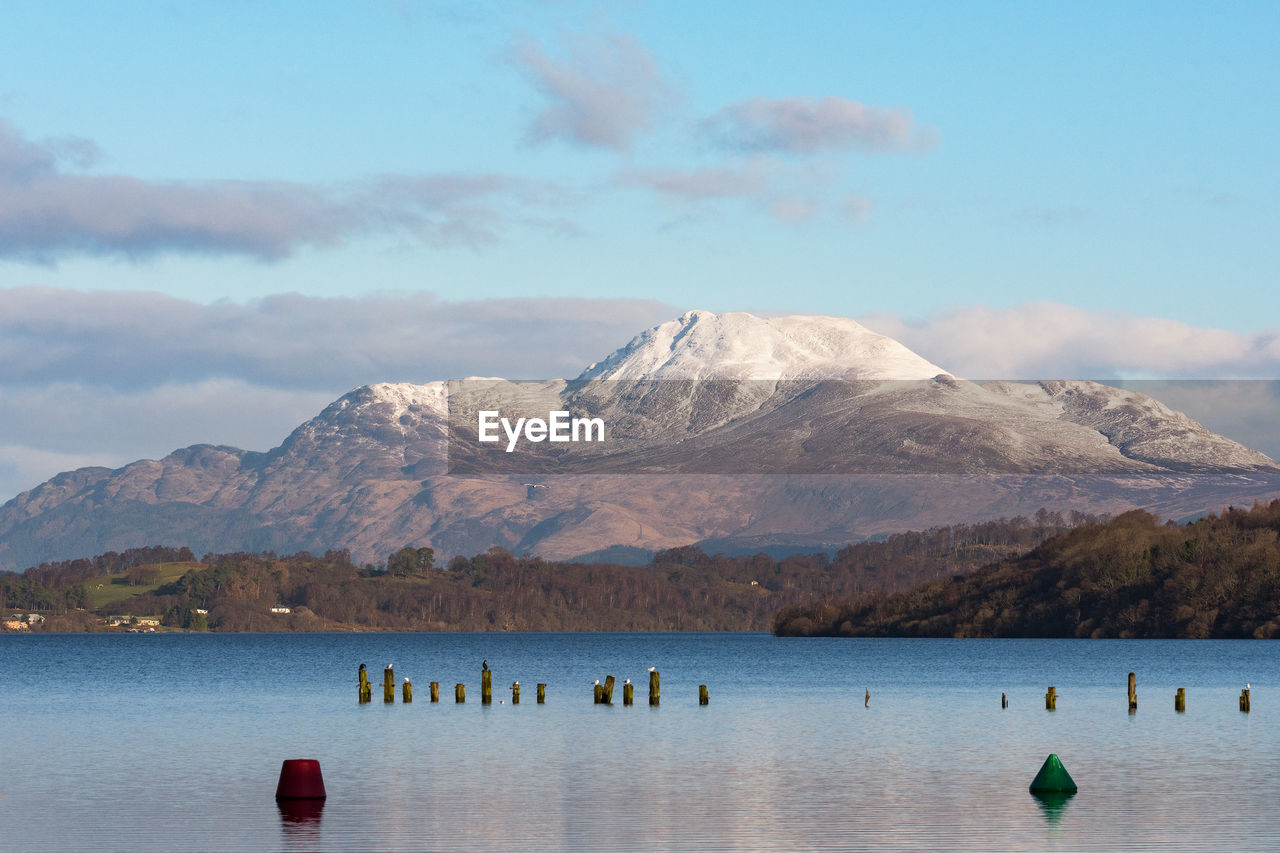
(799, 125)
(1052, 341)
(48, 213)
(607, 92)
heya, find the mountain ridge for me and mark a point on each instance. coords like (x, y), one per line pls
(791, 454)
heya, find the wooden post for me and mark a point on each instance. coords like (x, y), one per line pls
(388, 685)
(866, 700)
(1004, 701)
(515, 693)
(435, 691)
(599, 693)
(460, 693)
(366, 689)
(653, 687)
(486, 688)
(1180, 701)
(542, 693)
(1244, 700)
(1133, 693)
(407, 691)
(1051, 699)
(704, 698)
(608, 690)
(628, 694)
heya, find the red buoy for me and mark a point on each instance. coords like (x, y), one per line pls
(300, 779)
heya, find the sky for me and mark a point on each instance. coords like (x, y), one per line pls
(216, 218)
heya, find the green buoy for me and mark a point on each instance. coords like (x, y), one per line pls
(1053, 778)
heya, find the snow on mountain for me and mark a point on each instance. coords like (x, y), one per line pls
(739, 346)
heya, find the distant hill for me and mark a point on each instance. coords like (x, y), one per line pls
(1216, 577)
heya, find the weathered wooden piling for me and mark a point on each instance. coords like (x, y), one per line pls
(486, 688)
(460, 693)
(407, 691)
(1051, 699)
(628, 694)
(1244, 700)
(704, 698)
(1004, 701)
(515, 693)
(608, 690)
(598, 693)
(435, 691)
(866, 700)
(366, 689)
(653, 687)
(542, 693)
(1133, 692)
(389, 685)
(1180, 700)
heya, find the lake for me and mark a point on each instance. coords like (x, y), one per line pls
(174, 742)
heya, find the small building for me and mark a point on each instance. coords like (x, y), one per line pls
(281, 610)
(147, 620)
(202, 611)
(33, 618)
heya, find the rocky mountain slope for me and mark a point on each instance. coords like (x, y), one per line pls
(804, 429)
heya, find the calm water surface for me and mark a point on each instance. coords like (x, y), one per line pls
(174, 742)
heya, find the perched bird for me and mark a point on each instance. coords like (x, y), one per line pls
(362, 667)
(406, 679)
(1246, 686)
(485, 665)
(517, 684)
(597, 681)
(653, 669)
(628, 681)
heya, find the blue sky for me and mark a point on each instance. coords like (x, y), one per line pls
(1110, 156)
(993, 183)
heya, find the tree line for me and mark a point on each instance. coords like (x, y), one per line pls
(681, 589)
(1132, 576)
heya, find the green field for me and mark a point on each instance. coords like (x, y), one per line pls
(113, 589)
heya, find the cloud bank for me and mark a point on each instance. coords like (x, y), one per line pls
(1047, 340)
(48, 212)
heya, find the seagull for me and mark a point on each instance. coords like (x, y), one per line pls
(653, 669)
(517, 684)
(628, 681)
(1246, 685)
(406, 679)
(597, 681)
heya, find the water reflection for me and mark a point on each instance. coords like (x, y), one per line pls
(300, 820)
(1052, 803)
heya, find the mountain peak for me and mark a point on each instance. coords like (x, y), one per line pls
(706, 345)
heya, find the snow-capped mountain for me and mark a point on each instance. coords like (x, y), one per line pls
(702, 345)
(728, 426)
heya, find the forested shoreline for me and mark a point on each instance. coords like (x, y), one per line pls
(681, 589)
(1132, 576)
